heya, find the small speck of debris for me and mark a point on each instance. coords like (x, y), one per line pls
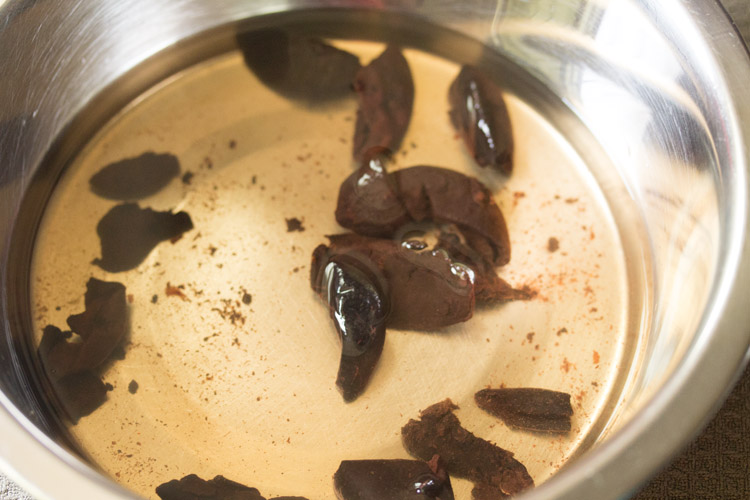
(561, 331)
(187, 177)
(254, 179)
(58, 308)
(294, 224)
(133, 387)
(232, 144)
(553, 244)
(174, 291)
(229, 312)
(566, 365)
(154, 299)
(130, 298)
(247, 298)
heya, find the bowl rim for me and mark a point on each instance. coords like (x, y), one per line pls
(698, 387)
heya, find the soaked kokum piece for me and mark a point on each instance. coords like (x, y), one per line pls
(386, 97)
(135, 178)
(80, 394)
(438, 431)
(488, 286)
(298, 67)
(374, 203)
(359, 306)
(100, 329)
(128, 233)
(369, 201)
(396, 479)
(482, 491)
(426, 289)
(445, 196)
(479, 114)
(192, 487)
(528, 408)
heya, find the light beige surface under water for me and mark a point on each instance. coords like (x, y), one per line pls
(247, 391)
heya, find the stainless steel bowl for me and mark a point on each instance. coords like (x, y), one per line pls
(661, 86)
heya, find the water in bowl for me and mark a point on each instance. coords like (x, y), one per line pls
(230, 363)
